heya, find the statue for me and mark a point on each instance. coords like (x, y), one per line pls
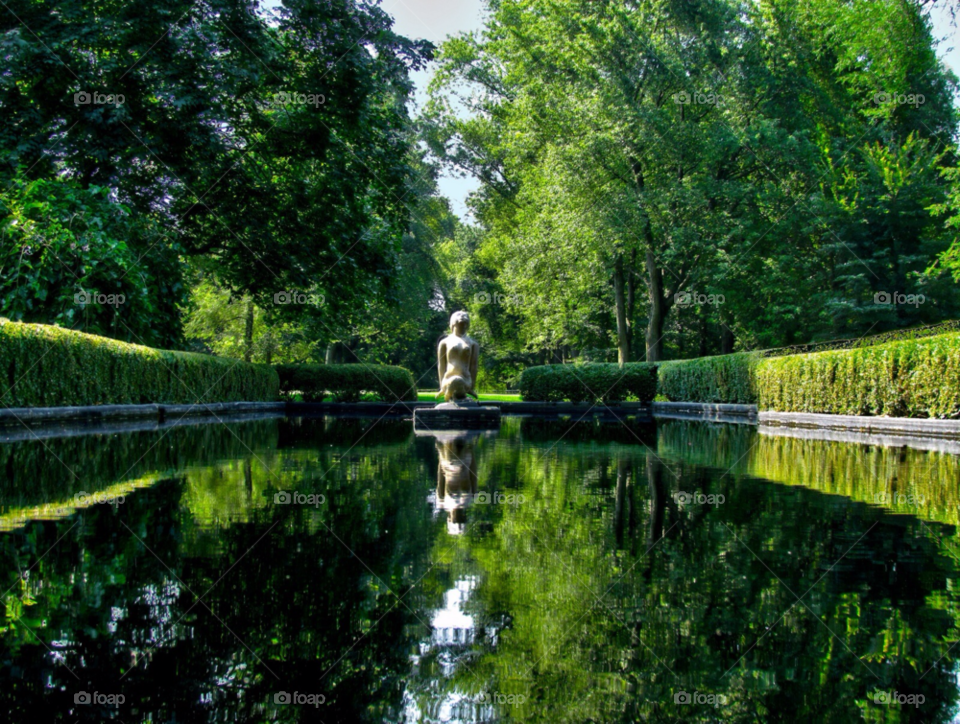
(456, 477)
(457, 359)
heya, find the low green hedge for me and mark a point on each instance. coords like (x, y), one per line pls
(912, 378)
(347, 383)
(909, 378)
(589, 383)
(45, 366)
(729, 379)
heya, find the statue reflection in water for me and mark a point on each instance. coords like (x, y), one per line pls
(456, 476)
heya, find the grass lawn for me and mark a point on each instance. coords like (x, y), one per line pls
(432, 397)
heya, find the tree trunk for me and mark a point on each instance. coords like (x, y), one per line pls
(248, 332)
(621, 500)
(631, 297)
(658, 310)
(620, 297)
(726, 340)
(331, 356)
(703, 333)
(658, 499)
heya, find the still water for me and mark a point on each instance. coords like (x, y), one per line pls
(345, 570)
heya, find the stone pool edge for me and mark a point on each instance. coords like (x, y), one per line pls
(99, 413)
(858, 424)
(42, 416)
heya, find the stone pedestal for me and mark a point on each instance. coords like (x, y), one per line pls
(459, 415)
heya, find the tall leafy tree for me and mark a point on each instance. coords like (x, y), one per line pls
(276, 147)
(675, 149)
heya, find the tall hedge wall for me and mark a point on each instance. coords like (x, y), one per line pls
(44, 366)
(909, 378)
(348, 383)
(728, 379)
(589, 383)
(913, 378)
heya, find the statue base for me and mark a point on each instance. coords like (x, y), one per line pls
(457, 415)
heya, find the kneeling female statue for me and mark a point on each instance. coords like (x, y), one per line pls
(458, 357)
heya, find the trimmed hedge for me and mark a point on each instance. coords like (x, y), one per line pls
(912, 378)
(909, 378)
(45, 366)
(589, 383)
(729, 378)
(347, 383)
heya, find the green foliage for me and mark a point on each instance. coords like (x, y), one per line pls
(908, 378)
(726, 379)
(45, 366)
(950, 208)
(589, 383)
(216, 322)
(58, 240)
(758, 151)
(913, 378)
(347, 383)
(276, 144)
(897, 335)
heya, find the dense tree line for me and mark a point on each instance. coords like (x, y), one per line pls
(659, 178)
(680, 176)
(148, 150)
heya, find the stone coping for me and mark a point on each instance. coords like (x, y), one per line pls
(910, 426)
(710, 408)
(109, 418)
(20, 416)
(64, 428)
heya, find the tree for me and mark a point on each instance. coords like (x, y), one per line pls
(276, 147)
(73, 257)
(682, 148)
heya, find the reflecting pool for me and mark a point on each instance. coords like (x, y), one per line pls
(344, 570)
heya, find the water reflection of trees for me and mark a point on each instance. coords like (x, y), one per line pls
(598, 598)
(297, 611)
(601, 630)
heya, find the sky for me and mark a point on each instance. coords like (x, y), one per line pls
(435, 20)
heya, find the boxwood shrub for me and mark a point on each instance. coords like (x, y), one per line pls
(729, 379)
(908, 378)
(45, 366)
(911, 378)
(347, 383)
(589, 383)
